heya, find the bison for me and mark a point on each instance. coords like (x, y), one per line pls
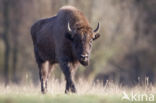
(65, 39)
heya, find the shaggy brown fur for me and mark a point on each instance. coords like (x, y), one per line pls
(65, 39)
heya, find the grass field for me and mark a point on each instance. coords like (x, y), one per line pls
(86, 93)
(59, 98)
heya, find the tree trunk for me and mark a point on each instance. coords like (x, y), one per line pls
(15, 27)
(14, 63)
(6, 40)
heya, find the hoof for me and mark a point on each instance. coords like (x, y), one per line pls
(72, 90)
(44, 91)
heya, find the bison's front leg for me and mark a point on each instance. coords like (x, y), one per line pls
(66, 68)
(44, 68)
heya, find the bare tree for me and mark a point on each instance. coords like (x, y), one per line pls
(6, 25)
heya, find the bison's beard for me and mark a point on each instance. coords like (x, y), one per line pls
(84, 63)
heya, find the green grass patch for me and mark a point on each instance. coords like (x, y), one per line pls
(59, 98)
(62, 98)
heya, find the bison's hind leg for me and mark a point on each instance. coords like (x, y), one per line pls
(44, 72)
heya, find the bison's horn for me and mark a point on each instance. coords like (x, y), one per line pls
(97, 28)
(69, 29)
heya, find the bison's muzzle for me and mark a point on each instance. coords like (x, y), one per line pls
(84, 60)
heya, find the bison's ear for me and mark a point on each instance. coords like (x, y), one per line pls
(68, 35)
(97, 35)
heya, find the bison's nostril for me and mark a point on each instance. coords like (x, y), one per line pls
(84, 57)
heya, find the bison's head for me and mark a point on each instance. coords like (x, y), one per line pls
(82, 39)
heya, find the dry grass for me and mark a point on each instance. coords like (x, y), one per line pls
(83, 87)
(87, 92)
